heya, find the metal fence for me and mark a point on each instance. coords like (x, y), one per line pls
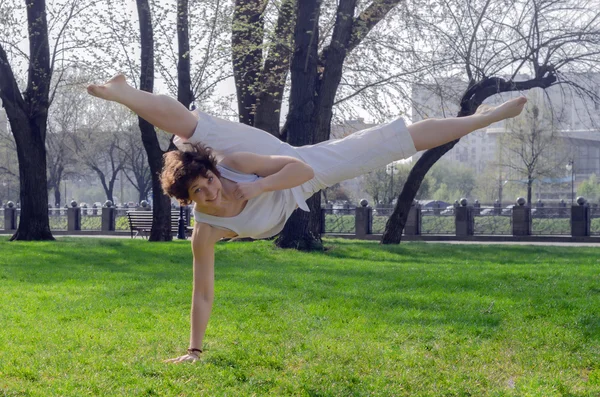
(489, 222)
(380, 218)
(121, 221)
(91, 219)
(58, 218)
(440, 223)
(545, 221)
(595, 224)
(466, 220)
(548, 221)
(338, 220)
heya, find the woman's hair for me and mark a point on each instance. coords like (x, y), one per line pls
(180, 169)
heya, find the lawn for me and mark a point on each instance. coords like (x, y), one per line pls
(96, 317)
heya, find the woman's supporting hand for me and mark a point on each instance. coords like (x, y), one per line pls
(247, 191)
(192, 357)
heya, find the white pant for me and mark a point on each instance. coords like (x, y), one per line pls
(333, 161)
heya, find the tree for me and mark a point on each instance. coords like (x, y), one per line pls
(9, 172)
(161, 208)
(64, 119)
(335, 192)
(62, 161)
(99, 140)
(261, 71)
(590, 188)
(27, 115)
(380, 185)
(531, 145)
(27, 109)
(451, 181)
(377, 185)
(158, 24)
(315, 77)
(135, 165)
(490, 38)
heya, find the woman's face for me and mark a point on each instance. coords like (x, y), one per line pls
(206, 192)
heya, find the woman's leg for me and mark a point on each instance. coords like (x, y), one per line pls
(161, 111)
(367, 150)
(169, 115)
(430, 133)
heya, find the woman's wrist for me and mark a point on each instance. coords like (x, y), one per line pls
(262, 185)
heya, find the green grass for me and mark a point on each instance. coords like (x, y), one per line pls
(94, 317)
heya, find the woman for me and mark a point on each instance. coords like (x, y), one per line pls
(250, 183)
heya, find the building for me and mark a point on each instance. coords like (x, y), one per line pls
(577, 123)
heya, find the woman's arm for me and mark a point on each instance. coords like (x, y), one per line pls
(204, 238)
(278, 172)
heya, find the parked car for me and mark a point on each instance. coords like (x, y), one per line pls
(486, 211)
(448, 211)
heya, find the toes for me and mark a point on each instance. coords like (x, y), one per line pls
(92, 88)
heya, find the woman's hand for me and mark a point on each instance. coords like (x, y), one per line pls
(247, 191)
(191, 357)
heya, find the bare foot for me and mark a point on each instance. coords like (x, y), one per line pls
(508, 109)
(109, 90)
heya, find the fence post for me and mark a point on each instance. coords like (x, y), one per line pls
(10, 217)
(145, 206)
(539, 206)
(562, 208)
(73, 217)
(476, 208)
(362, 219)
(108, 217)
(463, 219)
(521, 217)
(188, 215)
(413, 221)
(497, 207)
(580, 218)
(181, 224)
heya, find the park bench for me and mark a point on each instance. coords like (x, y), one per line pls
(140, 222)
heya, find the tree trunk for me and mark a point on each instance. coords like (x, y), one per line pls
(325, 74)
(473, 97)
(28, 115)
(396, 222)
(34, 223)
(529, 188)
(331, 66)
(272, 78)
(161, 204)
(184, 78)
(301, 124)
(246, 45)
(57, 195)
